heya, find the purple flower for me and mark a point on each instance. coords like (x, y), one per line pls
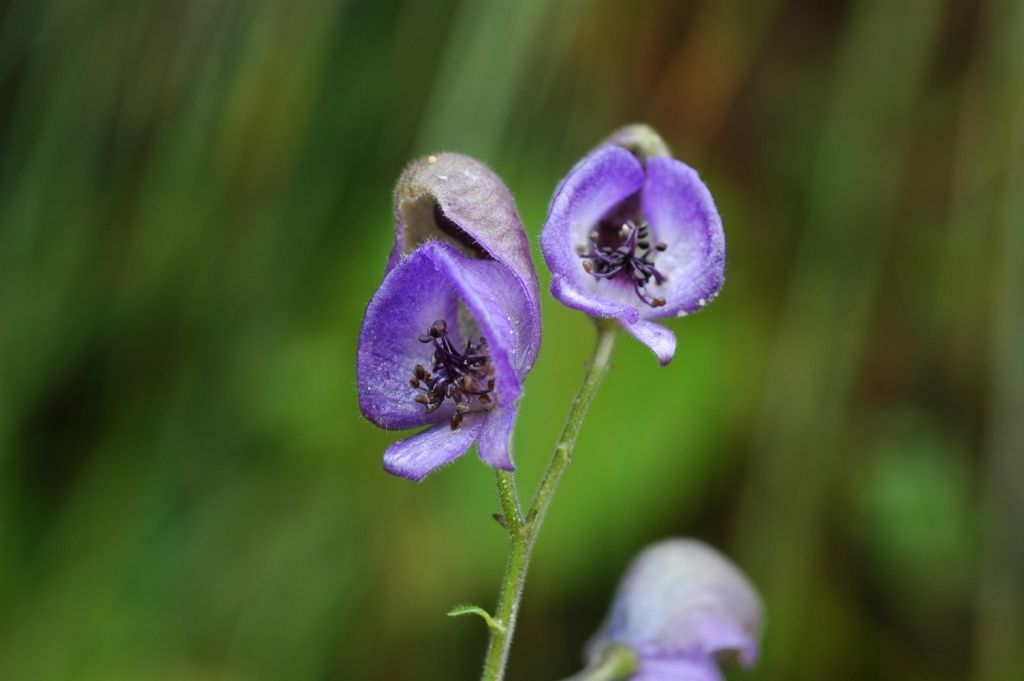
(455, 326)
(634, 234)
(682, 607)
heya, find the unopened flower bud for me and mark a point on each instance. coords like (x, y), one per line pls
(683, 608)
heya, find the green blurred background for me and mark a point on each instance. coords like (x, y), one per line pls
(195, 209)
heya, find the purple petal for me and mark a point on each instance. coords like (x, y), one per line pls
(414, 457)
(677, 669)
(459, 200)
(682, 214)
(429, 285)
(596, 185)
(660, 340)
(408, 301)
(489, 290)
(496, 438)
(682, 598)
(478, 298)
(571, 296)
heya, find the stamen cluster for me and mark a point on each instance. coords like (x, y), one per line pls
(460, 376)
(628, 252)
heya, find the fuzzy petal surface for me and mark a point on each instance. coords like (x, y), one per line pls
(495, 444)
(457, 199)
(661, 340)
(415, 457)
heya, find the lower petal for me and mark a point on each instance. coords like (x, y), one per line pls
(596, 306)
(415, 457)
(495, 442)
(677, 669)
(660, 340)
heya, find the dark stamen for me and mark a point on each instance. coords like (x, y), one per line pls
(625, 250)
(460, 376)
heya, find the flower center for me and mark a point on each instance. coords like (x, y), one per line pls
(626, 251)
(461, 376)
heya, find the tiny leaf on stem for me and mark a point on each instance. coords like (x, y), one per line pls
(469, 609)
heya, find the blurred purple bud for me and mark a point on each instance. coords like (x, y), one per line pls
(683, 607)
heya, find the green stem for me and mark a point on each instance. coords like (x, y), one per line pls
(523, 531)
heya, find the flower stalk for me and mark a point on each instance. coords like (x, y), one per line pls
(522, 530)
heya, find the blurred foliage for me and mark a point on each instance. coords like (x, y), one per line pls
(195, 209)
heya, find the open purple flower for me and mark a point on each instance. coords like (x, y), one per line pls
(683, 608)
(634, 234)
(455, 326)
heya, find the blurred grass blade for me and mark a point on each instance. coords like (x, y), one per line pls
(1000, 629)
(853, 191)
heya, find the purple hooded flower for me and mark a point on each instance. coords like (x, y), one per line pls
(683, 608)
(459, 200)
(455, 326)
(634, 234)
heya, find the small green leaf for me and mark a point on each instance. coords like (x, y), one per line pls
(467, 609)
